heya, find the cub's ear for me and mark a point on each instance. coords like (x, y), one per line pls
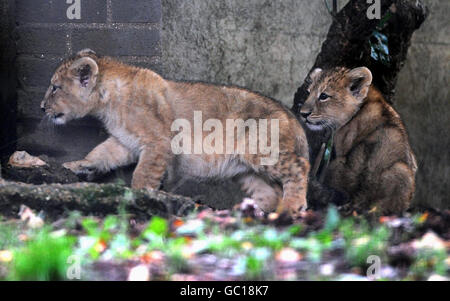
(85, 70)
(359, 81)
(85, 52)
(315, 74)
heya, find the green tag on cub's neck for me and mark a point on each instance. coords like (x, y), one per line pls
(325, 161)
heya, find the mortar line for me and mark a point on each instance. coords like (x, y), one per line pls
(139, 26)
(48, 56)
(108, 11)
(69, 42)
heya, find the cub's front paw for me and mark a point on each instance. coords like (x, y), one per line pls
(295, 210)
(297, 213)
(82, 167)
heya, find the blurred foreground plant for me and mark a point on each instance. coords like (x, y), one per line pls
(43, 257)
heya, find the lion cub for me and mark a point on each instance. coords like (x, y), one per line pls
(158, 124)
(372, 163)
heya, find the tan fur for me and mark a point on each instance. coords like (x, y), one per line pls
(138, 108)
(374, 164)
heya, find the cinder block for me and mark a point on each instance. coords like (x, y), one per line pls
(41, 41)
(36, 72)
(136, 11)
(45, 11)
(118, 42)
(28, 103)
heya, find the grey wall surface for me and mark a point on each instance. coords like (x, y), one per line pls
(423, 100)
(269, 46)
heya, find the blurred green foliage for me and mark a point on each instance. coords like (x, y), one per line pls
(43, 257)
(253, 247)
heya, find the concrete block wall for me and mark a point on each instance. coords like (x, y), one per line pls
(47, 31)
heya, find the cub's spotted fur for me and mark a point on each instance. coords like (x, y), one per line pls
(373, 164)
(138, 107)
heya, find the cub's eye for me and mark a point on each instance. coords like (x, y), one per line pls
(323, 96)
(54, 88)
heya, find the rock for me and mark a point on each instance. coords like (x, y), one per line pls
(23, 159)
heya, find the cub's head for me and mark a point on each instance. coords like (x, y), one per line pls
(335, 96)
(71, 88)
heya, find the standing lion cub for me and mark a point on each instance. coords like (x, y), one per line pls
(145, 113)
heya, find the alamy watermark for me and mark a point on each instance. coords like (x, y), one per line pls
(374, 10)
(373, 271)
(74, 269)
(235, 137)
(74, 10)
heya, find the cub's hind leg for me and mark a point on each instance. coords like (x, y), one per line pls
(292, 171)
(265, 195)
(398, 189)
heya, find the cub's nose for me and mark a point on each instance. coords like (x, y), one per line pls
(43, 109)
(305, 114)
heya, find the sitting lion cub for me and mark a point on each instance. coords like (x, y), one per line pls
(373, 164)
(145, 113)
